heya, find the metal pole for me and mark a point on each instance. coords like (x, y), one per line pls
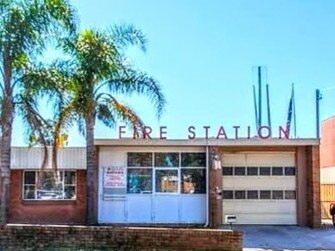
(259, 96)
(255, 107)
(317, 104)
(268, 105)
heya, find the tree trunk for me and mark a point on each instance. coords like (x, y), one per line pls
(7, 114)
(91, 172)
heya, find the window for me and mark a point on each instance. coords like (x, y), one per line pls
(252, 194)
(139, 181)
(239, 170)
(49, 185)
(252, 171)
(228, 194)
(228, 171)
(139, 159)
(289, 171)
(265, 171)
(167, 181)
(193, 181)
(277, 195)
(239, 195)
(166, 159)
(29, 185)
(193, 159)
(290, 195)
(277, 171)
(265, 195)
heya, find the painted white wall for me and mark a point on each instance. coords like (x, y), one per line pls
(148, 208)
(327, 175)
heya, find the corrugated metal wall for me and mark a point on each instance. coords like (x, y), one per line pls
(31, 158)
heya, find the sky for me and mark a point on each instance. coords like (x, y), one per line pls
(204, 54)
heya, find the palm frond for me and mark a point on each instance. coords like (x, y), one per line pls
(130, 81)
(37, 128)
(126, 35)
(122, 112)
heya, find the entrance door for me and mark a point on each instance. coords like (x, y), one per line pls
(163, 186)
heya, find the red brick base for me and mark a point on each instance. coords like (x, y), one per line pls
(116, 238)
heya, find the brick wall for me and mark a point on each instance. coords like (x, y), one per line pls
(215, 181)
(50, 212)
(313, 189)
(116, 238)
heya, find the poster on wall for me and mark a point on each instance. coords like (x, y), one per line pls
(114, 182)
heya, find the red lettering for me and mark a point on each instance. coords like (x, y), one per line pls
(236, 131)
(206, 131)
(260, 134)
(162, 133)
(285, 131)
(221, 132)
(146, 132)
(192, 134)
(121, 131)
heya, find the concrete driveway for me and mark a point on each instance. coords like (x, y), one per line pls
(287, 238)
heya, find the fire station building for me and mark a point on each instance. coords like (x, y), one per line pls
(156, 181)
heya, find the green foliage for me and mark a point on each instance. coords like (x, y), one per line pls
(97, 72)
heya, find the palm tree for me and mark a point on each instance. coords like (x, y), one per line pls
(90, 84)
(26, 26)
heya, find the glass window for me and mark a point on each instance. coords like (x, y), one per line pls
(167, 181)
(265, 194)
(228, 194)
(193, 159)
(252, 171)
(265, 171)
(289, 171)
(252, 194)
(139, 181)
(49, 185)
(30, 177)
(290, 195)
(193, 181)
(29, 192)
(277, 194)
(139, 159)
(167, 159)
(228, 171)
(240, 170)
(239, 195)
(277, 171)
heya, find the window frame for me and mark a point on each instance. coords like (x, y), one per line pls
(36, 181)
(178, 168)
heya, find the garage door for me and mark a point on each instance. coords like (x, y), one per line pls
(260, 188)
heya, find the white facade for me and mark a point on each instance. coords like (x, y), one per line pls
(152, 206)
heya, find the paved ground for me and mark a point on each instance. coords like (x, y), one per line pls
(287, 238)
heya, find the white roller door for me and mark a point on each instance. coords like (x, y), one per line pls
(260, 187)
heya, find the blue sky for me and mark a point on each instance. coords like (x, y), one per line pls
(203, 54)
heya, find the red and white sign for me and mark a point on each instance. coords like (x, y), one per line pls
(115, 177)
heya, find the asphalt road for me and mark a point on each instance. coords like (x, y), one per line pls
(287, 238)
